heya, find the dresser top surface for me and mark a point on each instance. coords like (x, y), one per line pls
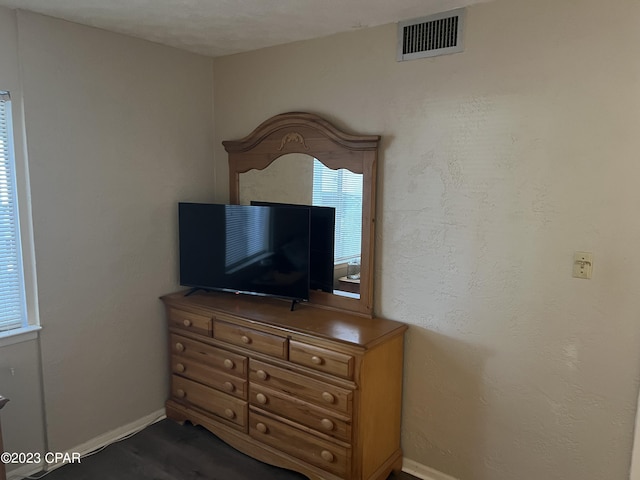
(304, 319)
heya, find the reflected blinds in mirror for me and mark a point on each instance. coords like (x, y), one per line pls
(342, 190)
(251, 227)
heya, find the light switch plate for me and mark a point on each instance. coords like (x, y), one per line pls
(582, 265)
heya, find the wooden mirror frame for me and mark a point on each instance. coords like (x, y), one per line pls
(299, 132)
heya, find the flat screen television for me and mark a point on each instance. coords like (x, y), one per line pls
(322, 243)
(258, 250)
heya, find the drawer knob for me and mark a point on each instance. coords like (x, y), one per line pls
(262, 375)
(179, 347)
(328, 397)
(187, 323)
(229, 387)
(229, 413)
(327, 455)
(180, 368)
(327, 424)
(228, 364)
(262, 428)
(246, 340)
(316, 360)
(181, 393)
(261, 398)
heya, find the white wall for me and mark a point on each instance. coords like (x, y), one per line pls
(118, 131)
(23, 426)
(496, 165)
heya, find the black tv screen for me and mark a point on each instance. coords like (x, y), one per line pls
(323, 228)
(257, 250)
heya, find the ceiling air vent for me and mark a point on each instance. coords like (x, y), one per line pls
(437, 34)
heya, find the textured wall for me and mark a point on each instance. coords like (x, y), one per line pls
(496, 165)
(119, 130)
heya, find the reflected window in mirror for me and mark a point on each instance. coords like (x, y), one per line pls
(342, 190)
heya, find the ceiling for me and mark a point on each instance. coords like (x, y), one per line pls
(223, 27)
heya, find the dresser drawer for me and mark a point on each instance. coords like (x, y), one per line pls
(302, 412)
(305, 446)
(218, 403)
(296, 385)
(251, 339)
(191, 322)
(209, 376)
(228, 362)
(319, 358)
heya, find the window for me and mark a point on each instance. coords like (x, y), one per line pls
(12, 292)
(342, 190)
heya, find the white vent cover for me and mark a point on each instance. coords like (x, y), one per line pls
(437, 34)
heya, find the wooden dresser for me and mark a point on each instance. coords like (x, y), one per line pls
(312, 390)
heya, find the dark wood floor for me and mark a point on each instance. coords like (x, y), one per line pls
(169, 451)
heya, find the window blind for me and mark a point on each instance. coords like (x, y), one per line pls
(246, 235)
(12, 303)
(342, 190)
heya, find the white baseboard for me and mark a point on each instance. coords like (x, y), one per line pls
(115, 435)
(92, 445)
(422, 471)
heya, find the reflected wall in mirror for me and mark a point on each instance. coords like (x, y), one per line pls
(300, 158)
(300, 179)
(289, 179)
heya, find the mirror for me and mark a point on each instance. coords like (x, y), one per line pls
(296, 178)
(275, 163)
